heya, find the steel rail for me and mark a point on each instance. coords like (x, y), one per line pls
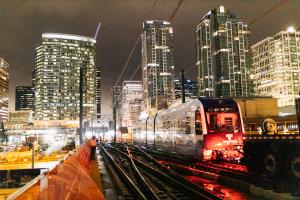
(175, 179)
(217, 169)
(179, 179)
(146, 187)
(131, 186)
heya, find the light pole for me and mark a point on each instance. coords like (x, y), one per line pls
(115, 123)
(115, 115)
(154, 131)
(147, 132)
(182, 87)
(80, 105)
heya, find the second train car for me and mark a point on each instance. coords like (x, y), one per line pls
(205, 128)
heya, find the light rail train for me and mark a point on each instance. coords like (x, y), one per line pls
(205, 128)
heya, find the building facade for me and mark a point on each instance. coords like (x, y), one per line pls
(98, 94)
(223, 55)
(132, 96)
(191, 88)
(276, 67)
(4, 87)
(116, 103)
(58, 60)
(157, 63)
(21, 116)
(24, 98)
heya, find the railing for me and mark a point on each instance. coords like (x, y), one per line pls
(68, 180)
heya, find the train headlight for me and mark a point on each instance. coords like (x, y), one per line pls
(238, 147)
(207, 154)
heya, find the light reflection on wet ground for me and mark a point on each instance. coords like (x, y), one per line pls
(227, 192)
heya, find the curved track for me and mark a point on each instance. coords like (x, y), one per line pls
(146, 178)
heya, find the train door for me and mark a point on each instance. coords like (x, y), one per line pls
(173, 134)
(187, 136)
(149, 133)
(198, 134)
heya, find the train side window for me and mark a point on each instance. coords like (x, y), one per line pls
(198, 124)
(187, 125)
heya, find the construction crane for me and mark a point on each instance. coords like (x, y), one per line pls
(97, 30)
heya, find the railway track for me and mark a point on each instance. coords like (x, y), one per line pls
(144, 177)
(228, 170)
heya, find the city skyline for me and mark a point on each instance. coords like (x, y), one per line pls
(185, 21)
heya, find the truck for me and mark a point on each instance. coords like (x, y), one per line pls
(275, 155)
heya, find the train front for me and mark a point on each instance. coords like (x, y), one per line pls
(224, 134)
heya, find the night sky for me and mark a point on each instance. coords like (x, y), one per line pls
(22, 23)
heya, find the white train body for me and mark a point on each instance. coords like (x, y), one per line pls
(202, 128)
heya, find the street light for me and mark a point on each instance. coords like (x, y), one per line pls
(80, 105)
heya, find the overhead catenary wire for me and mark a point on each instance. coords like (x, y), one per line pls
(175, 11)
(135, 71)
(134, 46)
(128, 59)
(185, 71)
(280, 3)
(162, 9)
(171, 19)
(151, 10)
(277, 5)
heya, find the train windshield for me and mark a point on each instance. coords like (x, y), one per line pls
(223, 120)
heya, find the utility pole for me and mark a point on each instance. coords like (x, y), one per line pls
(297, 102)
(154, 131)
(32, 158)
(31, 144)
(147, 132)
(81, 106)
(115, 123)
(115, 116)
(182, 87)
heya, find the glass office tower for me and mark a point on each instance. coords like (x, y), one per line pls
(157, 63)
(58, 60)
(276, 67)
(223, 55)
(24, 98)
(4, 86)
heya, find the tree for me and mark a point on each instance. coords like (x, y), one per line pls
(3, 133)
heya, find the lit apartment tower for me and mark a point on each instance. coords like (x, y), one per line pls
(223, 55)
(98, 94)
(191, 88)
(4, 86)
(24, 98)
(57, 75)
(157, 62)
(276, 67)
(132, 97)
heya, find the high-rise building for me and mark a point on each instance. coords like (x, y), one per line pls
(116, 102)
(4, 86)
(98, 94)
(20, 116)
(276, 67)
(157, 63)
(191, 88)
(58, 61)
(223, 55)
(24, 98)
(132, 96)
